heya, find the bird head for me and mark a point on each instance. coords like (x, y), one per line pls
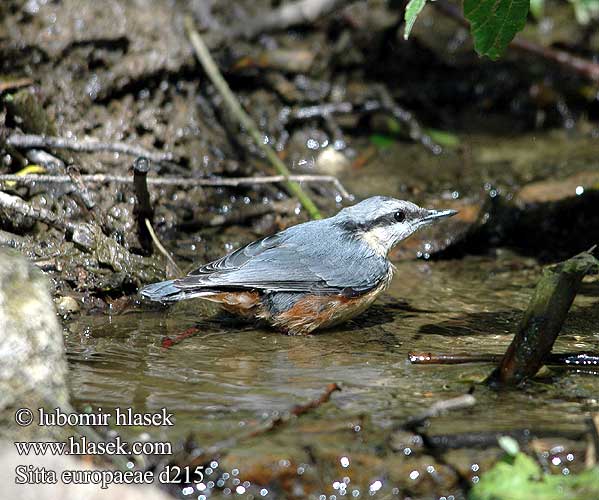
(383, 222)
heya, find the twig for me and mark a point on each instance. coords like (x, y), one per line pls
(181, 181)
(316, 111)
(571, 360)
(15, 84)
(297, 411)
(584, 67)
(406, 118)
(175, 270)
(27, 141)
(385, 104)
(289, 14)
(168, 342)
(429, 358)
(143, 211)
(438, 408)
(594, 431)
(203, 54)
(40, 214)
(81, 190)
(90, 238)
(264, 428)
(488, 439)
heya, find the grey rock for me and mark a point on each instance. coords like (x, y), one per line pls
(33, 366)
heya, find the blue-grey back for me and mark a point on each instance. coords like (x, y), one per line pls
(317, 256)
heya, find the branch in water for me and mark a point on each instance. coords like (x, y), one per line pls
(543, 319)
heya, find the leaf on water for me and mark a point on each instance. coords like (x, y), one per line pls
(494, 23)
(413, 8)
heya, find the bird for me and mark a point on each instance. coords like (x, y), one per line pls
(310, 276)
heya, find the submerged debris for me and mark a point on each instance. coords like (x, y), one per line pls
(543, 319)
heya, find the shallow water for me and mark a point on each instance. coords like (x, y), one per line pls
(226, 378)
(229, 376)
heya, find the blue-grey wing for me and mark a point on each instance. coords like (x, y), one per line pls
(313, 258)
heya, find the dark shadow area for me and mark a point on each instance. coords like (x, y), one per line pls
(550, 232)
(506, 322)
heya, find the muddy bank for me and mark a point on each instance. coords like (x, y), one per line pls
(127, 73)
(512, 145)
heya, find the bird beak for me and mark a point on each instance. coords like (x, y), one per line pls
(438, 214)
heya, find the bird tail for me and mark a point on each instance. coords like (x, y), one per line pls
(164, 291)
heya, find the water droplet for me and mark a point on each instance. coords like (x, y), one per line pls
(376, 486)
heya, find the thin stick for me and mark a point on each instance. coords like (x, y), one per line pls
(430, 358)
(15, 84)
(568, 359)
(203, 54)
(222, 447)
(181, 181)
(594, 431)
(161, 248)
(168, 342)
(27, 141)
(438, 408)
(41, 214)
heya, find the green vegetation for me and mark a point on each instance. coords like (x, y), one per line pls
(519, 477)
(494, 23)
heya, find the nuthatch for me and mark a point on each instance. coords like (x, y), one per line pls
(313, 275)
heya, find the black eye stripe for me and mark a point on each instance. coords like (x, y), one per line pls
(387, 219)
(381, 221)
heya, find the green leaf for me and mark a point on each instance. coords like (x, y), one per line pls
(413, 8)
(522, 479)
(494, 23)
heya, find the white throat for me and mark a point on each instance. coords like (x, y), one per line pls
(376, 239)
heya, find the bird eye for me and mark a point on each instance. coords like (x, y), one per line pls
(399, 216)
